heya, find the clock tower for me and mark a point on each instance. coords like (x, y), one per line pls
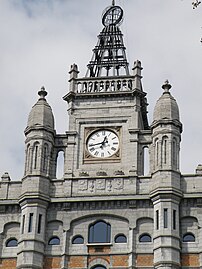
(107, 109)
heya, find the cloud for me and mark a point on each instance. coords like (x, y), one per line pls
(39, 40)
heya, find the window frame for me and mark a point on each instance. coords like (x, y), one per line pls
(92, 231)
(53, 238)
(145, 234)
(9, 241)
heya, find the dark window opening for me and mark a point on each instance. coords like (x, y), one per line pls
(39, 224)
(12, 242)
(100, 232)
(144, 238)
(23, 224)
(78, 239)
(54, 241)
(189, 237)
(120, 238)
(174, 219)
(30, 222)
(165, 217)
(157, 219)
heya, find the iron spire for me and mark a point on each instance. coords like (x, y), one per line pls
(113, 2)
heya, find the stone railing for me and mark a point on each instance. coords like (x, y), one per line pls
(105, 84)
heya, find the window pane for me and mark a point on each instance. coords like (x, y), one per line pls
(78, 240)
(120, 238)
(12, 243)
(54, 241)
(145, 238)
(188, 238)
(100, 232)
(165, 217)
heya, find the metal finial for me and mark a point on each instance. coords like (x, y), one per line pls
(113, 2)
(42, 93)
(166, 86)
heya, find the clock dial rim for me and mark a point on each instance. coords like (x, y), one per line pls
(104, 148)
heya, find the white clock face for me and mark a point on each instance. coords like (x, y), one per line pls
(103, 143)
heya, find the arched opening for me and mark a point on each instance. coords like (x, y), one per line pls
(98, 267)
(145, 161)
(35, 155)
(11, 242)
(164, 146)
(145, 238)
(45, 158)
(54, 241)
(156, 152)
(99, 232)
(60, 165)
(188, 237)
(78, 239)
(27, 162)
(120, 238)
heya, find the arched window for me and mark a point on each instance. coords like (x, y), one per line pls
(27, 163)
(99, 232)
(45, 158)
(98, 267)
(120, 238)
(35, 154)
(164, 149)
(60, 165)
(156, 152)
(12, 242)
(188, 237)
(54, 241)
(78, 239)
(145, 161)
(145, 238)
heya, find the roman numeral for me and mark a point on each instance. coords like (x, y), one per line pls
(115, 143)
(92, 149)
(96, 153)
(113, 149)
(114, 138)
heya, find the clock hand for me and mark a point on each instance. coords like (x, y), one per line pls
(91, 145)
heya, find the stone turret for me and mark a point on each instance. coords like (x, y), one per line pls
(39, 137)
(34, 198)
(165, 191)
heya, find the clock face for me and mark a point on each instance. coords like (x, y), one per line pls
(102, 143)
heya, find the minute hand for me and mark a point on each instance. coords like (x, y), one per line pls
(91, 145)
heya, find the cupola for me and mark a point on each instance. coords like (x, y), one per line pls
(166, 107)
(41, 115)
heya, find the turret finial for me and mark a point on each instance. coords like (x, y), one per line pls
(166, 86)
(42, 93)
(113, 2)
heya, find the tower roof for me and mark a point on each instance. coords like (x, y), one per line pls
(166, 107)
(41, 115)
(109, 55)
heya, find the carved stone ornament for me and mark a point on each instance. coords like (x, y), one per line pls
(100, 184)
(118, 183)
(83, 184)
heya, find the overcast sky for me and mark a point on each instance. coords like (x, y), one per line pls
(40, 39)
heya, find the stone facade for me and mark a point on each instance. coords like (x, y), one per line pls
(148, 220)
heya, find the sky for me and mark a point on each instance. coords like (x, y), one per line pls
(40, 39)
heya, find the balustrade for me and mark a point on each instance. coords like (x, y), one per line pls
(113, 85)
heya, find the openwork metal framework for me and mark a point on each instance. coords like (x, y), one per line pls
(109, 55)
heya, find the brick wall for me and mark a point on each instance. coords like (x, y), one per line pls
(52, 263)
(190, 260)
(120, 260)
(76, 262)
(144, 260)
(8, 263)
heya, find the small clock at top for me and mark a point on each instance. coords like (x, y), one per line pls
(102, 143)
